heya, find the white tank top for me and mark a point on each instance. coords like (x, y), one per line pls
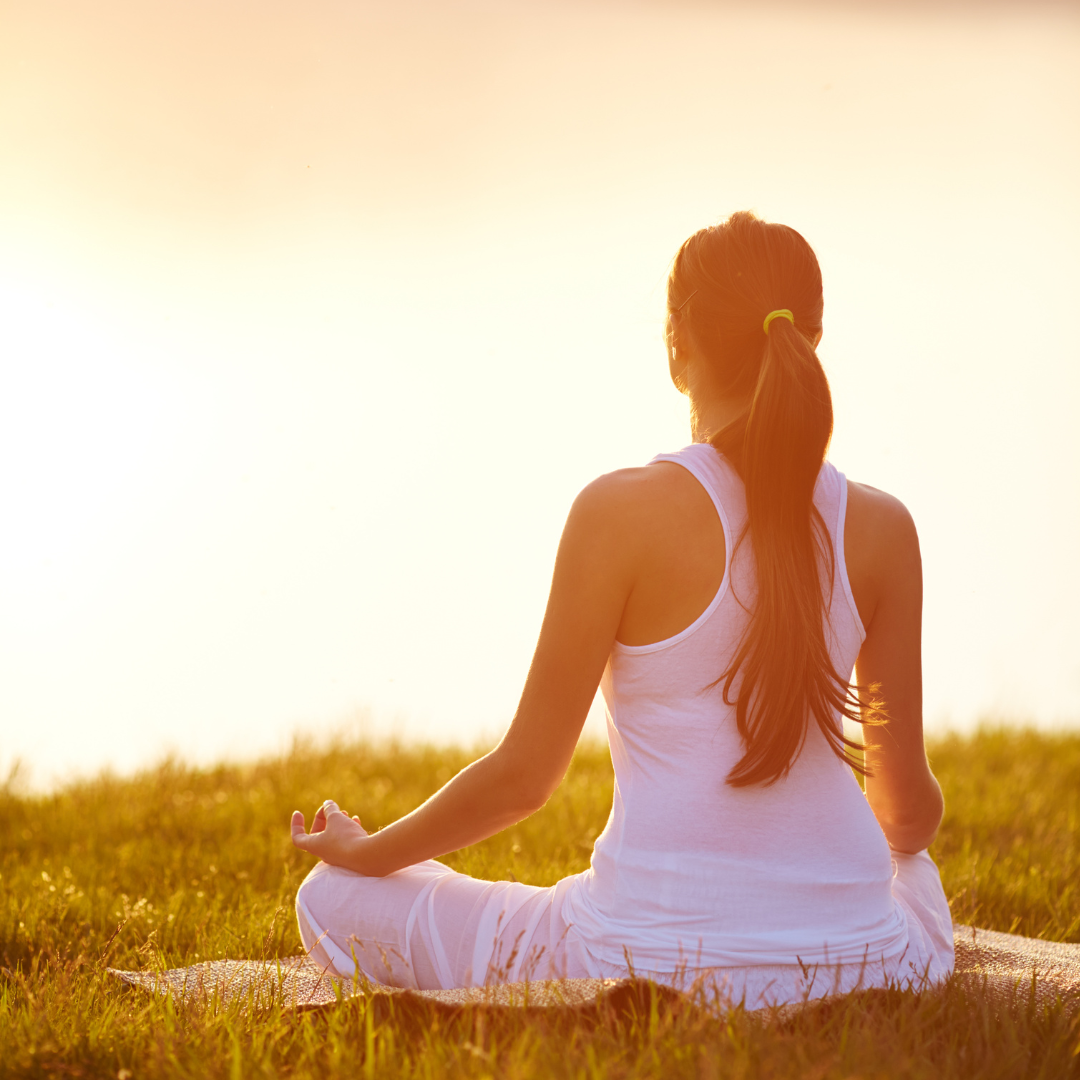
(692, 871)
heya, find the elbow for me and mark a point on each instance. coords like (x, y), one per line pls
(528, 797)
(909, 841)
(914, 828)
(525, 788)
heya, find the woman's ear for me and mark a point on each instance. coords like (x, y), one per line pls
(677, 357)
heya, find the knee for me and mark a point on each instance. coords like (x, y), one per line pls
(312, 885)
(310, 906)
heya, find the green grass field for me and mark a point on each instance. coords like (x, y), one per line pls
(197, 864)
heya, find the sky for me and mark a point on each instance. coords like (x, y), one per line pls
(314, 320)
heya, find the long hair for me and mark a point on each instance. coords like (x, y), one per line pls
(724, 282)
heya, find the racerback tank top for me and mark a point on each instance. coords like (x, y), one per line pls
(690, 871)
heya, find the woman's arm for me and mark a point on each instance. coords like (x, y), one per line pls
(594, 573)
(883, 552)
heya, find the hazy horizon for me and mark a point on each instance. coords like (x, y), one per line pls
(313, 323)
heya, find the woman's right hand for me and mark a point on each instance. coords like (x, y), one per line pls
(335, 837)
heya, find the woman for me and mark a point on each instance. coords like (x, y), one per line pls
(721, 597)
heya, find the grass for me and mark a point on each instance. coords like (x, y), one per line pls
(196, 864)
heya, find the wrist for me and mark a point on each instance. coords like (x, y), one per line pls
(354, 857)
(367, 856)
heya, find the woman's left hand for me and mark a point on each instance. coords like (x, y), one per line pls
(335, 837)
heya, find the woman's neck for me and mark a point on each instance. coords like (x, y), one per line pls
(711, 416)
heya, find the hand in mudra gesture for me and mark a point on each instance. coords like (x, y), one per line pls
(335, 837)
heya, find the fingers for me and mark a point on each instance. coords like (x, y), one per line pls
(329, 807)
(316, 840)
(300, 836)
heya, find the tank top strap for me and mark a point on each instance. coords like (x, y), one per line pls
(725, 487)
(830, 498)
(718, 477)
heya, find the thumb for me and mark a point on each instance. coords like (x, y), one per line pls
(301, 838)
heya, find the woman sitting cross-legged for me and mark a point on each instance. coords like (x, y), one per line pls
(722, 598)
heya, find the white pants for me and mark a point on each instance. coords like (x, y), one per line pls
(428, 927)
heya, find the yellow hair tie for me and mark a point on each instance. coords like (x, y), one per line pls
(781, 313)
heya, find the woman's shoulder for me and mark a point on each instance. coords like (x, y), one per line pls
(638, 493)
(644, 508)
(881, 545)
(875, 514)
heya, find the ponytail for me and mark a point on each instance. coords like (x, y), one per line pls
(782, 674)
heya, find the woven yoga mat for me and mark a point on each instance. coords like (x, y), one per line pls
(1000, 964)
(299, 982)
